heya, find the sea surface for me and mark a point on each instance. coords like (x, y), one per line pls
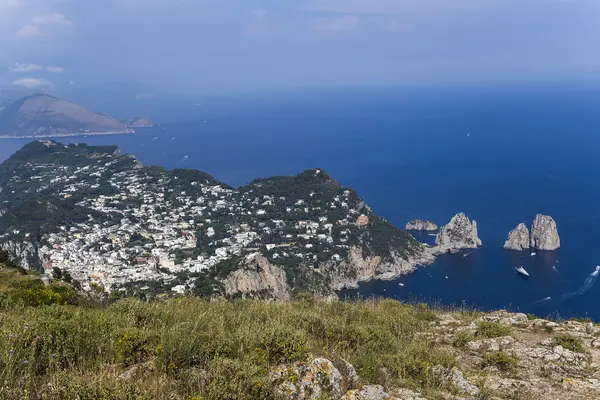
(499, 154)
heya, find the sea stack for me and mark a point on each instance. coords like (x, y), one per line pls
(544, 235)
(518, 238)
(421, 225)
(460, 233)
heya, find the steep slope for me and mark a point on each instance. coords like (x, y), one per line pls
(42, 115)
(105, 218)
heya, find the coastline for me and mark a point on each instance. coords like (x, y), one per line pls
(75, 134)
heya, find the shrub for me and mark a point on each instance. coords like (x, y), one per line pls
(132, 347)
(570, 343)
(462, 338)
(33, 293)
(283, 346)
(500, 360)
(531, 317)
(488, 330)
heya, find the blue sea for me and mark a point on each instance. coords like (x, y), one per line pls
(499, 154)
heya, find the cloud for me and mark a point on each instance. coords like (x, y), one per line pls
(51, 19)
(32, 29)
(28, 31)
(31, 83)
(25, 67)
(55, 70)
(9, 3)
(337, 24)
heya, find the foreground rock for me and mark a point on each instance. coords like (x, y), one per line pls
(518, 238)
(460, 233)
(544, 234)
(421, 225)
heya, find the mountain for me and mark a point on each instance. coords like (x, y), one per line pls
(105, 218)
(139, 121)
(41, 115)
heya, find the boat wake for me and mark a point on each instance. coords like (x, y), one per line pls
(469, 253)
(587, 285)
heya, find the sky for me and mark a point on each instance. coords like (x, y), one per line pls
(228, 45)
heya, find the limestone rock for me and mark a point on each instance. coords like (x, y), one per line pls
(309, 381)
(518, 238)
(421, 225)
(258, 276)
(544, 235)
(459, 233)
(461, 384)
(370, 392)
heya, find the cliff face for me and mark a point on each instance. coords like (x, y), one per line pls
(518, 238)
(260, 278)
(544, 234)
(358, 268)
(421, 225)
(460, 233)
(25, 253)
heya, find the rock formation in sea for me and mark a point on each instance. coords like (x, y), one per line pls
(518, 238)
(459, 233)
(421, 225)
(544, 235)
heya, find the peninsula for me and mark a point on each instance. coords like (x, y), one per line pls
(45, 116)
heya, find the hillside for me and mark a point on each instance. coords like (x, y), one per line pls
(107, 219)
(303, 349)
(42, 115)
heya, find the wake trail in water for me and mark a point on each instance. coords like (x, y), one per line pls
(469, 253)
(587, 285)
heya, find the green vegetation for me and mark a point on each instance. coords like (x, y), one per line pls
(488, 330)
(19, 288)
(569, 342)
(189, 348)
(500, 360)
(462, 338)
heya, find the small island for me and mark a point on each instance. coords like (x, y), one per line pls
(421, 225)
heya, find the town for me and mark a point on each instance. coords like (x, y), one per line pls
(137, 224)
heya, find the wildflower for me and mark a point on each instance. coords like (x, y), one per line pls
(25, 362)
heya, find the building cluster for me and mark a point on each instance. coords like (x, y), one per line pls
(140, 225)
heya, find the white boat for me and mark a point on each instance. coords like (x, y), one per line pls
(522, 271)
(400, 284)
(534, 253)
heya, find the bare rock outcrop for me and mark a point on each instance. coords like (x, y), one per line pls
(544, 234)
(518, 238)
(460, 233)
(360, 268)
(421, 225)
(256, 277)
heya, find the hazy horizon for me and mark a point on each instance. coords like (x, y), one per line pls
(232, 46)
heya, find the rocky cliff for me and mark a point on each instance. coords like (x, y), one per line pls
(258, 278)
(518, 238)
(361, 268)
(421, 225)
(544, 234)
(460, 233)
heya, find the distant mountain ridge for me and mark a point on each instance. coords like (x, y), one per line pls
(42, 115)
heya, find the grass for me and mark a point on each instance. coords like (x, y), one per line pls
(188, 348)
(500, 360)
(569, 342)
(489, 330)
(462, 338)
